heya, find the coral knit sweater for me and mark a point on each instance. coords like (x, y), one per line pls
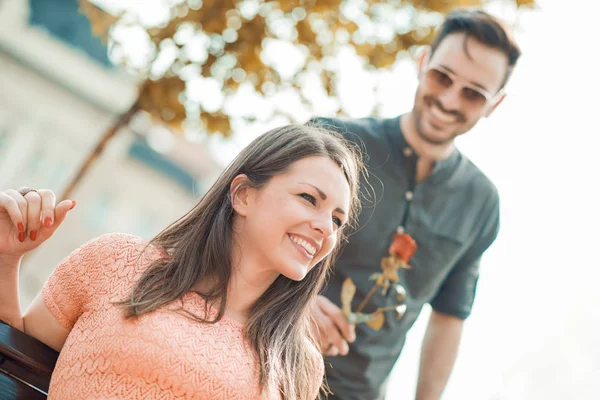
(161, 355)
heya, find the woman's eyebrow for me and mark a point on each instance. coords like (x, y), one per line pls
(323, 196)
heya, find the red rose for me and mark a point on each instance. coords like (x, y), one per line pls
(403, 246)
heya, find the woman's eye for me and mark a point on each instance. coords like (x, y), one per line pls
(337, 221)
(309, 198)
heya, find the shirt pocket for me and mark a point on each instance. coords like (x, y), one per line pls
(438, 250)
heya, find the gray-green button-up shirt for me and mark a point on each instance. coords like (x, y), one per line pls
(453, 216)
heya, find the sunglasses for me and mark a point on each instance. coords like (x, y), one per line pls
(472, 95)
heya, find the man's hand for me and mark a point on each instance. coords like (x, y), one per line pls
(333, 331)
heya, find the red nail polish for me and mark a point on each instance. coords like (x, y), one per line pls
(48, 222)
(74, 204)
(21, 237)
(20, 226)
(32, 235)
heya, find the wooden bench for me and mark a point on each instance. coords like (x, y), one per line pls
(26, 365)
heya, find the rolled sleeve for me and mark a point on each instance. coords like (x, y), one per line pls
(457, 294)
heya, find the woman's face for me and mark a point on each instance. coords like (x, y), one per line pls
(293, 222)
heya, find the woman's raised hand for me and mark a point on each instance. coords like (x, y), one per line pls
(28, 218)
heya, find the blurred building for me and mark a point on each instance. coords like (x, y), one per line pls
(57, 97)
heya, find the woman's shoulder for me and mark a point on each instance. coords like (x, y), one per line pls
(100, 269)
(116, 239)
(120, 251)
(117, 244)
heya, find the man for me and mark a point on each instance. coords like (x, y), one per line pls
(426, 188)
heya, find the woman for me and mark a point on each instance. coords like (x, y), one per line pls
(214, 307)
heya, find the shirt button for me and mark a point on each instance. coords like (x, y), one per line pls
(408, 151)
(400, 230)
(409, 195)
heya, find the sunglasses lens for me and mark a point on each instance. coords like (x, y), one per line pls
(473, 97)
(438, 78)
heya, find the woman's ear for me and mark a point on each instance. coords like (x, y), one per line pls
(240, 193)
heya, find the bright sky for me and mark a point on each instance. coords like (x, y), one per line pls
(534, 333)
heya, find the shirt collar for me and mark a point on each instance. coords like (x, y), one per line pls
(404, 151)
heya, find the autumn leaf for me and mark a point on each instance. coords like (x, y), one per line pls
(379, 57)
(232, 39)
(100, 20)
(348, 292)
(525, 3)
(377, 322)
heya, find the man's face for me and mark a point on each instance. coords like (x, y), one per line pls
(458, 85)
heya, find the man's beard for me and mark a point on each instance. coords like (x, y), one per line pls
(430, 101)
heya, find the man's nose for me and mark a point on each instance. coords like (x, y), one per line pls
(450, 98)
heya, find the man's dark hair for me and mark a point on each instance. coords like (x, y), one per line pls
(484, 28)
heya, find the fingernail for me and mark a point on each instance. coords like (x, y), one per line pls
(21, 237)
(74, 204)
(32, 235)
(344, 350)
(20, 226)
(48, 222)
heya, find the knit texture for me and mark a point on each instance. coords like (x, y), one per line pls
(161, 355)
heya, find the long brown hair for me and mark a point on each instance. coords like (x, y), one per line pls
(199, 246)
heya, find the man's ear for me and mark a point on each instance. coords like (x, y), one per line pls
(240, 193)
(424, 56)
(495, 105)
